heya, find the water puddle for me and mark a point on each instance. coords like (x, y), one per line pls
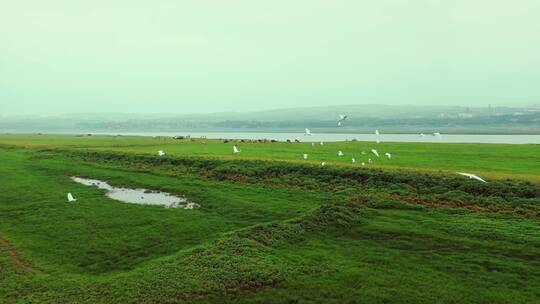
(138, 196)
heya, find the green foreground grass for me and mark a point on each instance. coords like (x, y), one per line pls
(267, 231)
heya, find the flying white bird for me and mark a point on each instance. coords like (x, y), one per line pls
(388, 155)
(160, 153)
(375, 152)
(71, 198)
(235, 149)
(323, 164)
(341, 119)
(353, 160)
(340, 153)
(472, 176)
(308, 132)
(305, 156)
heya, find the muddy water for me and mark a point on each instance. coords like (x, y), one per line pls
(138, 196)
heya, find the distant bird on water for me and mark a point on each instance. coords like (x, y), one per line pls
(71, 198)
(472, 176)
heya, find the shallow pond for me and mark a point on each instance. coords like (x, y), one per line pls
(138, 196)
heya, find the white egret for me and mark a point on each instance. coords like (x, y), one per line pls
(353, 160)
(472, 176)
(363, 164)
(377, 132)
(322, 143)
(308, 132)
(305, 156)
(375, 152)
(235, 149)
(340, 153)
(323, 164)
(388, 155)
(160, 153)
(71, 198)
(341, 119)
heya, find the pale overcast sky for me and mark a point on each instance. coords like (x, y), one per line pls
(212, 55)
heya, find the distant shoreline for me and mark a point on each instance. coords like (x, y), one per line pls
(317, 137)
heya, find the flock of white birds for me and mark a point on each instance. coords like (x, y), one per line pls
(305, 156)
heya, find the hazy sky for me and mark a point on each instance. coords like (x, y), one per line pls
(212, 55)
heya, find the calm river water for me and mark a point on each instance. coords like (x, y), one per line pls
(444, 138)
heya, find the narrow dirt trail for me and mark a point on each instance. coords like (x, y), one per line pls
(20, 263)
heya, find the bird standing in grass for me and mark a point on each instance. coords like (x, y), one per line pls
(340, 153)
(160, 153)
(388, 155)
(308, 132)
(71, 198)
(305, 156)
(235, 149)
(375, 152)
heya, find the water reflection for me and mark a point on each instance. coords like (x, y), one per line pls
(138, 196)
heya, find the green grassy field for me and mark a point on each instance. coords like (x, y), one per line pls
(272, 228)
(491, 160)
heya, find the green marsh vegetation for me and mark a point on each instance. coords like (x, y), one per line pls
(271, 228)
